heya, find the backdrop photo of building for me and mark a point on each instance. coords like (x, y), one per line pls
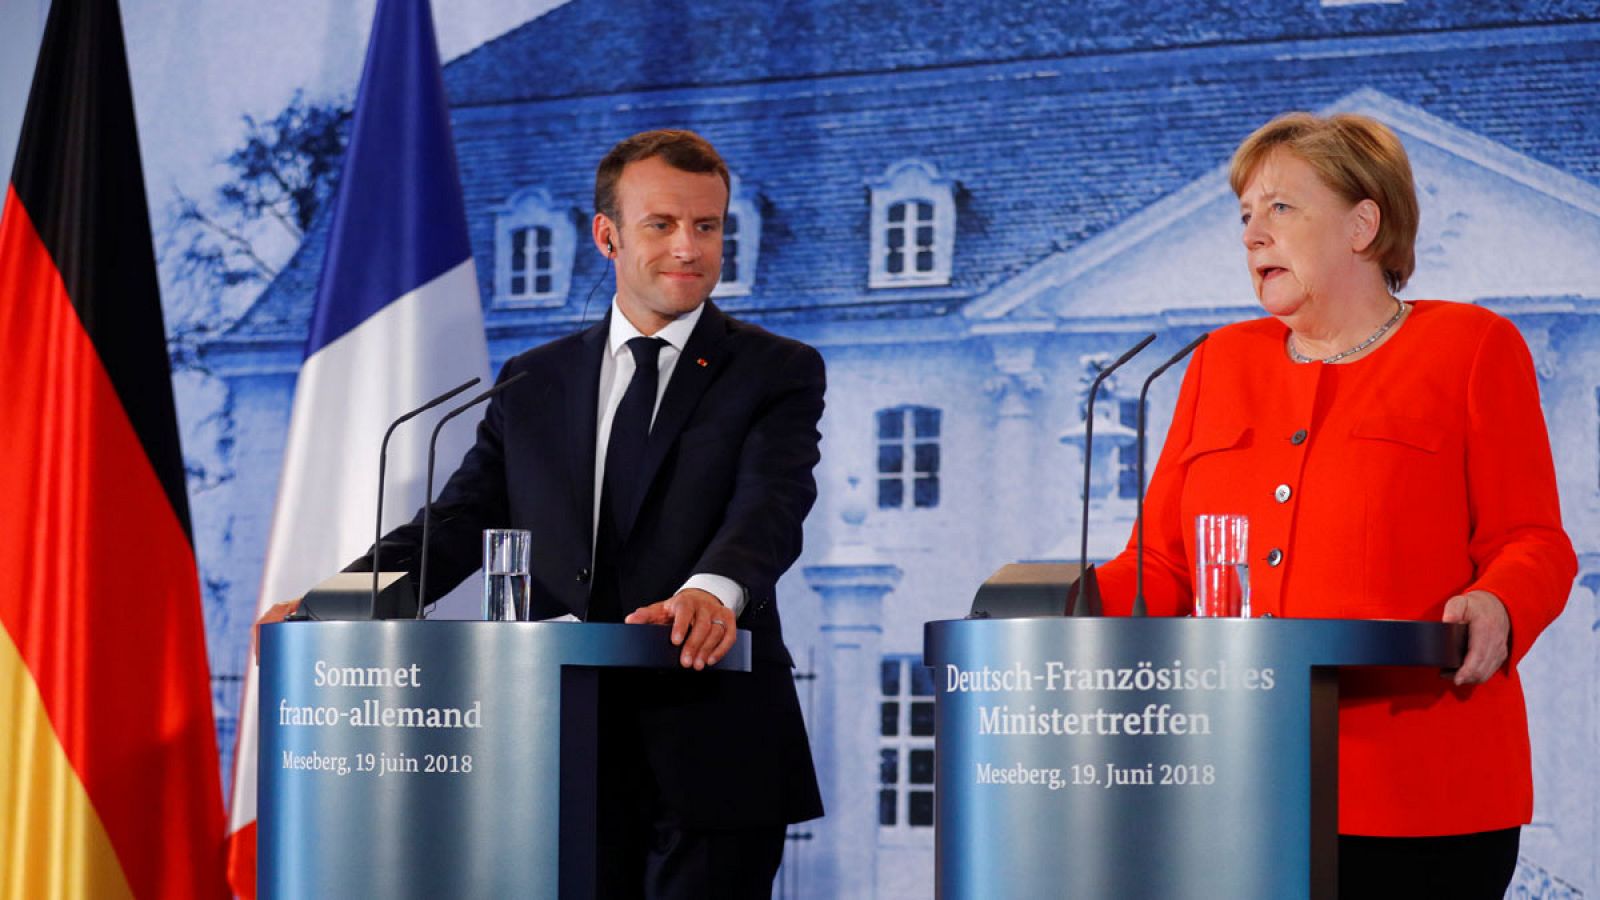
(969, 208)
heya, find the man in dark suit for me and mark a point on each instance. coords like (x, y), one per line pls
(663, 461)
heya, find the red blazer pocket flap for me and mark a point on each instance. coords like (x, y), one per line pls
(1211, 440)
(1424, 436)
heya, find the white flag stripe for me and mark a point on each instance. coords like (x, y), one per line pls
(415, 348)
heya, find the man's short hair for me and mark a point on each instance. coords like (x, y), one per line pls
(1358, 158)
(683, 150)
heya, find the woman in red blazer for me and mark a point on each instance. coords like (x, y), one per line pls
(1393, 462)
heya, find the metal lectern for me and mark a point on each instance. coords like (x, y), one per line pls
(1147, 757)
(436, 759)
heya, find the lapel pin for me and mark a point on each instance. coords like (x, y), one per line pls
(701, 362)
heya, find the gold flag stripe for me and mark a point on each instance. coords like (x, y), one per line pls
(52, 843)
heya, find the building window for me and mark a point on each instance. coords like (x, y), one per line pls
(741, 242)
(913, 227)
(730, 250)
(908, 239)
(905, 751)
(531, 266)
(908, 457)
(534, 244)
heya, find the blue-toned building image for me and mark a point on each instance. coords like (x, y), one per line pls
(968, 209)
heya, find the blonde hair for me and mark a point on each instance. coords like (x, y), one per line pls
(1358, 158)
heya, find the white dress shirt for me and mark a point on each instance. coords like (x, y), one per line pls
(616, 370)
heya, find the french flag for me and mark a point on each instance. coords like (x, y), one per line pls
(396, 321)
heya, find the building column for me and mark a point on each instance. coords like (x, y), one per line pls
(1563, 701)
(1539, 334)
(1012, 388)
(852, 581)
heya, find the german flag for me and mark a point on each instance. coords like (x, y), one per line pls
(108, 762)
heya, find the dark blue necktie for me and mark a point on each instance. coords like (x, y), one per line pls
(624, 478)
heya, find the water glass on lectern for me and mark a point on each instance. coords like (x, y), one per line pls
(1222, 565)
(505, 574)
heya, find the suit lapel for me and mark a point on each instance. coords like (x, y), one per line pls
(583, 399)
(702, 357)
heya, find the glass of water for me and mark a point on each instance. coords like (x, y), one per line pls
(505, 574)
(1222, 565)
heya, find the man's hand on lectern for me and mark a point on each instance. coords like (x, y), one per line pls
(700, 624)
(1488, 634)
(277, 612)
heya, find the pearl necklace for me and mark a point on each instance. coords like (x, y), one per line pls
(1297, 356)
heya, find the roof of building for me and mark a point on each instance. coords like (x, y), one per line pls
(1050, 139)
(605, 46)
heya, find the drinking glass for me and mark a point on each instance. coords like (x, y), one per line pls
(505, 574)
(1222, 565)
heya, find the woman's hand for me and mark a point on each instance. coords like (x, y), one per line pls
(1488, 634)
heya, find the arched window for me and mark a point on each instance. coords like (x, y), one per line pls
(534, 243)
(913, 226)
(741, 242)
(908, 457)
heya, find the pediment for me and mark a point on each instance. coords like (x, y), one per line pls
(1496, 225)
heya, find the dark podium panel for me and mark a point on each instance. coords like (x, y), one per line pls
(436, 759)
(1147, 758)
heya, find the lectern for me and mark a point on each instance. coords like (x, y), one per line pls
(1148, 757)
(436, 759)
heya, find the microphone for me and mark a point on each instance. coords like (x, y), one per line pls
(383, 465)
(1086, 600)
(1138, 597)
(427, 504)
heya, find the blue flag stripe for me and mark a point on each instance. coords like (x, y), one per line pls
(399, 221)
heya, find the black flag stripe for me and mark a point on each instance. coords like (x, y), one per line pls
(79, 177)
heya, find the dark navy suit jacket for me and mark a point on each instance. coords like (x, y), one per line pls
(730, 454)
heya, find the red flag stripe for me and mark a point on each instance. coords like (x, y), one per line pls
(242, 861)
